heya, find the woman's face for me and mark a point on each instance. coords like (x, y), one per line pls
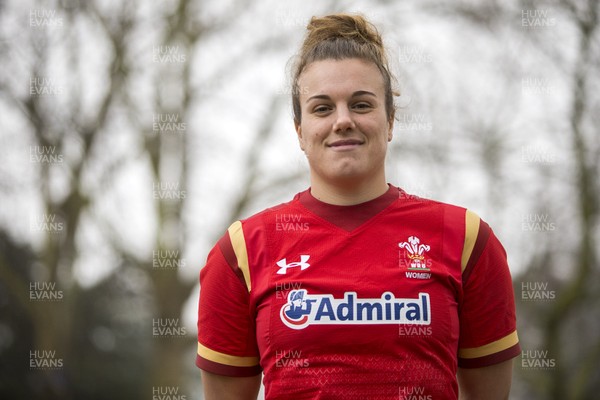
(344, 129)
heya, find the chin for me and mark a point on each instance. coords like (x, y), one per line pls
(343, 171)
(347, 175)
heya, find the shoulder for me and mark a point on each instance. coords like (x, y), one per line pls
(415, 201)
(457, 220)
(452, 217)
(430, 205)
(252, 229)
(258, 219)
(245, 239)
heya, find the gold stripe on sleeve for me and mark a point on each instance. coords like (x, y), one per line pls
(490, 348)
(471, 231)
(226, 359)
(236, 233)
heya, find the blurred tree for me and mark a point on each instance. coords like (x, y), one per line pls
(86, 82)
(103, 334)
(565, 260)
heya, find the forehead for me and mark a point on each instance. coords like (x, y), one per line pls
(340, 77)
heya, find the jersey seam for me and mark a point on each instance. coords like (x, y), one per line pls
(473, 262)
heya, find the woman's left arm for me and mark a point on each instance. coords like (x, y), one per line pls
(486, 383)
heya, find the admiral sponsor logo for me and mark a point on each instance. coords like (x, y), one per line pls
(283, 265)
(303, 309)
(418, 265)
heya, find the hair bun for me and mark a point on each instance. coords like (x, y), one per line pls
(354, 27)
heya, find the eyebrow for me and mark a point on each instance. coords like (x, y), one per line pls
(355, 94)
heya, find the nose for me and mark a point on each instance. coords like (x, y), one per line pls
(343, 121)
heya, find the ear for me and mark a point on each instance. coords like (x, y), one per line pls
(298, 128)
(390, 129)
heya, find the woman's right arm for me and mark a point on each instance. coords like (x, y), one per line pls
(219, 387)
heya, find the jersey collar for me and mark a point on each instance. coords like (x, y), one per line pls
(348, 217)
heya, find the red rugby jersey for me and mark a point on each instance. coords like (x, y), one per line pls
(381, 300)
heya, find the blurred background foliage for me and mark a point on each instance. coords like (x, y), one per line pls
(499, 112)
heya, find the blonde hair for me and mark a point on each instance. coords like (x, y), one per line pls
(338, 37)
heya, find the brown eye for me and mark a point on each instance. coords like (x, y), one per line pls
(321, 109)
(362, 106)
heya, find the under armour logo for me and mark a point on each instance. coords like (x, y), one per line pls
(283, 265)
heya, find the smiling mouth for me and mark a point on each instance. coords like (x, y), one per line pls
(345, 144)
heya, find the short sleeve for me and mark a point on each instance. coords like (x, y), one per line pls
(487, 313)
(226, 327)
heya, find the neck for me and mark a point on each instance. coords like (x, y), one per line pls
(348, 193)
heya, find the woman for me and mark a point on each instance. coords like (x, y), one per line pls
(354, 289)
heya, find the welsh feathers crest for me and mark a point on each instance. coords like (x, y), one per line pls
(415, 251)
